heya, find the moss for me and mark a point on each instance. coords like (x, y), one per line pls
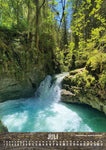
(102, 80)
(2, 127)
(17, 56)
(73, 72)
(19, 62)
(96, 64)
(84, 81)
(67, 81)
(80, 78)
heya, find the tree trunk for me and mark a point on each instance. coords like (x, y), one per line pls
(17, 14)
(28, 19)
(37, 23)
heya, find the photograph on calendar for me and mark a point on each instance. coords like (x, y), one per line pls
(52, 66)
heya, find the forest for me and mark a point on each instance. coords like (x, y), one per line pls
(43, 30)
(40, 37)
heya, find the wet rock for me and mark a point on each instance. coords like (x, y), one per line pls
(67, 93)
(23, 87)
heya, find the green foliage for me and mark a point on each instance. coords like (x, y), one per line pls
(83, 79)
(94, 73)
(102, 80)
(88, 36)
(29, 34)
(59, 61)
(35, 26)
(80, 63)
(96, 64)
(13, 14)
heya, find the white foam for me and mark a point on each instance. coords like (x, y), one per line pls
(16, 121)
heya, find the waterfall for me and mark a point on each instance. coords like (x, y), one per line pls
(46, 113)
(49, 91)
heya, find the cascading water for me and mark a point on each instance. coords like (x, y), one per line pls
(46, 113)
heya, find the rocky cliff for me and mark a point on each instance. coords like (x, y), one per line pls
(12, 87)
(22, 67)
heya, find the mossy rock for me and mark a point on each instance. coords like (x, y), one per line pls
(67, 81)
(2, 127)
(102, 80)
(80, 78)
(73, 72)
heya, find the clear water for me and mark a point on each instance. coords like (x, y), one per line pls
(46, 113)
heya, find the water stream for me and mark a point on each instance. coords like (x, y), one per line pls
(46, 113)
